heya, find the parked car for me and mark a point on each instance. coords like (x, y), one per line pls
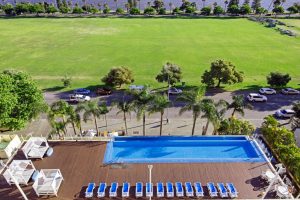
(103, 91)
(256, 97)
(136, 87)
(289, 91)
(267, 91)
(174, 91)
(285, 113)
(77, 98)
(82, 91)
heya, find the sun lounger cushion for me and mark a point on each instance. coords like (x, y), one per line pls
(113, 189)
(199, 189)
(212, 189)
(232, 190)
(149, 189)
(125, 190)
(139, 189)
(223, 191)
(101, 190)
(170, 191)
(179, 189)
(160, 189)
(89, 190)
(189, 189)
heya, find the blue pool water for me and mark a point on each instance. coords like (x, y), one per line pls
(171, 149)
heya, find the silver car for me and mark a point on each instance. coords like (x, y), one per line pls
(289, 91)
(284, 113)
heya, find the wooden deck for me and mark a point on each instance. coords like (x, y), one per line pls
(81, 163)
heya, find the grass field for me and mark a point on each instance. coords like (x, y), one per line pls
(87, 48)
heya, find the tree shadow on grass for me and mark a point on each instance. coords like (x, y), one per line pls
(53, 89)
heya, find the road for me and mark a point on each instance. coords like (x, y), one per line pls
(182, 124)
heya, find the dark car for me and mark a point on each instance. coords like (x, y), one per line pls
(82, 91)
(103, 91)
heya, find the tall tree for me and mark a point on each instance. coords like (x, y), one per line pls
(159, 104)
(295, 120)
(118, 76)
(125, 107)
(214, 113)
(233, 2)
(170, 73)
(141, 102)
(170, 6)
(90, 109)
(74, 119)
(222, 72)
(20, 100)
(225, 3)
(255, 5)
(203, 3)
(193, 102)
(238, 105)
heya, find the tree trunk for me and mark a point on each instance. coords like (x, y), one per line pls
(161, 121)
(233, 112)
(125, 121)
(144, 124)
(73, 125)
(80, 128)
(105, 121)
(194, 124)
(96, 125)
(206, 127)
(219, 83)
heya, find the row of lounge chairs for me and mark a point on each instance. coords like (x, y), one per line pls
(225, 191)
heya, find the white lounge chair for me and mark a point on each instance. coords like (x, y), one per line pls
(113, 189)
(199, 189)
(170, 190)
(101, 190)
(268, 175)
(89, 190)
(125, 189)
(179, 189)
(139, 189)
(212, 189)
(189, 189)
(222, 190)
(232, 190)
(160, 189)
(149, 189)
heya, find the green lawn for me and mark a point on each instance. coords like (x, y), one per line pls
(87, 48)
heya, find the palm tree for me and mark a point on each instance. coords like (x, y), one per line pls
(139, 2)
(141, 102)
(124, 107)
(89, 109)
(226, 3)
(58, 127)
(58, 111)
(213, 114)
(127, 6)
(73, 118)
(103, 111)
(295, 120)
(238, 105)
(203, 1)
(159, 104)
(116, 1)
(193, 100)
(170, 5)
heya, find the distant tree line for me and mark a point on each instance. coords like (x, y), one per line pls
(133, 7)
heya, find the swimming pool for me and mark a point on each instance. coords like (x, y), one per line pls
(171, 149)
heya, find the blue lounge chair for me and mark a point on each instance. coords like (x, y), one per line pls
(189, 189)
(212, 190)
(125, 189)
(89, 190)
(101, 190)
(170, 190)
(232, 190)
(160, 189)
(199, 189)
(113, 189)
(149, 189)
(138, 189)
(222, 190)
(179, 189)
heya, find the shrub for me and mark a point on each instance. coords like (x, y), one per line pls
(106, 10)
(93, 10)
(278, 10)
(277, 79)
(245, 9)
(176, 11)
(283, 143)
(64, 9)
(77, 10)
(206, 11)
(134, 11)
(190, 10)
(162, 11)
(218, 10)
(234, 126)
(120, 11)
(149, 11)
(66, 80)
(292, 9)
(261, 10)
(21, 8)
(8, 9)
(233, 9)
(51, 9)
